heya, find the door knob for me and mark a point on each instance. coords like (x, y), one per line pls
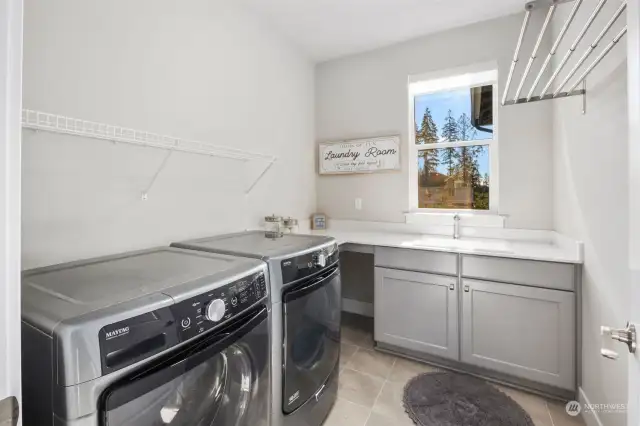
(626, 335)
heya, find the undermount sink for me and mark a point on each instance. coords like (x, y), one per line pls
(468, 244)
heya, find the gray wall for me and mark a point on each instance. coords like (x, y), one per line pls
(357, 271)
(591, 204)
(201, 70)
(366, 95)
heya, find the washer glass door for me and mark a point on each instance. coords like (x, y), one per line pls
(222, 381)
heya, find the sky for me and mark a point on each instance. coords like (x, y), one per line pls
(458, 101)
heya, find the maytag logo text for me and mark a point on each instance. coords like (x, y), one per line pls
(117, 332)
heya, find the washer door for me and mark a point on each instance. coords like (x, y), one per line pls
(312, 337)
(222, 381)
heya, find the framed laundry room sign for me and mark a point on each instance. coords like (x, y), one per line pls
(360, 155)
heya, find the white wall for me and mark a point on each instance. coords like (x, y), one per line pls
(201, 69)
(366, 95)
(591, 203)
(633, 103)
(10, 97)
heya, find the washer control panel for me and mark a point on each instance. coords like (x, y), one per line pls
(201, 313)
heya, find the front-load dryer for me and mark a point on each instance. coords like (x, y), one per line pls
(306, 295)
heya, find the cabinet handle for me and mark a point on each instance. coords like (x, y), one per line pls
(452, 287)
(466, 289)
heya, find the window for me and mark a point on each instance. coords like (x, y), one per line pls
(453, 143)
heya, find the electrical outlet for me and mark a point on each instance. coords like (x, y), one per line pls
(358, 203)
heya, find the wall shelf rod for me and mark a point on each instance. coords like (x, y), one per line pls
(592, 47)
(555, 46)
(572, 91)
(574, 46)
(516, 55)
(599, 58)
(43, 121)
(534, 55)
(546, 97)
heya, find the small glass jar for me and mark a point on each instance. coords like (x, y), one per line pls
(290, 225)
(273, 226)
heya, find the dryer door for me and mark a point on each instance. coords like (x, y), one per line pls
(222, 380)
(312, 337)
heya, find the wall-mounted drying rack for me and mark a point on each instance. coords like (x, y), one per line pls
(38, 120)
(580, 81)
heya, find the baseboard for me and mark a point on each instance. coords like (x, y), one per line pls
(357, 307)
(528, 386)
(590, 417)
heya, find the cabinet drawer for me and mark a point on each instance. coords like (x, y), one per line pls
(417, 311)
(356, 248)
(527, 272)
(521, 331)
(417, 260)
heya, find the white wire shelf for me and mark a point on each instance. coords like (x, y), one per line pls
(38, 120)
(44, 121)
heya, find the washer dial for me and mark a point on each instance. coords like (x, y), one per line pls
(215, 310)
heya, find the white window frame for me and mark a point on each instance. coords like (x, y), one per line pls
(443, 81)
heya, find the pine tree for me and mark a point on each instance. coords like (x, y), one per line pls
(480, 191)
(419, 137)
(422, 172)
(450, 134)
(468, 154)
(450, 129)
(429, 129)
(475, 176)
(466, 131)
(428, 134)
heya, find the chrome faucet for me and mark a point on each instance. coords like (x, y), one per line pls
(456, 226)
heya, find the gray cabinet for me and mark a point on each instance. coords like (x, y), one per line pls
(417, 311)
(534, 273)
(417, 260)
(514, 317)
(523, 331)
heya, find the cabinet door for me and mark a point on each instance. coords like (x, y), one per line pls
(417, 311)
(522, 331)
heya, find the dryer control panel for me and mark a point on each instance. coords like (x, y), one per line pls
(201, 313)
(299, 267)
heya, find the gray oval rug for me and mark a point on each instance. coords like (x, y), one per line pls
(450, 399)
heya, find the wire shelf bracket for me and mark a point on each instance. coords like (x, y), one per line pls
(43, 121)
(578, 87)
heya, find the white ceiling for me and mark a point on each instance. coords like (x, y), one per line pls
(328, 29)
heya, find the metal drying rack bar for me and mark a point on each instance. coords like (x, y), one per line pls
(581, 80)
(43, 121)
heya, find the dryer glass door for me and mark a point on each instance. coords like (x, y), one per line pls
(312, 337)
(222, 380)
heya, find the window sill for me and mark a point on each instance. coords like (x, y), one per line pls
(445, 217)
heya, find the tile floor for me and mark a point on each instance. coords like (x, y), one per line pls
(372, 383)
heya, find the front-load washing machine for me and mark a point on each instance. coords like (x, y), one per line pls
(156, 337)
(306, 295)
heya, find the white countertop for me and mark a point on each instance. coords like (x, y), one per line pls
(555, 248)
